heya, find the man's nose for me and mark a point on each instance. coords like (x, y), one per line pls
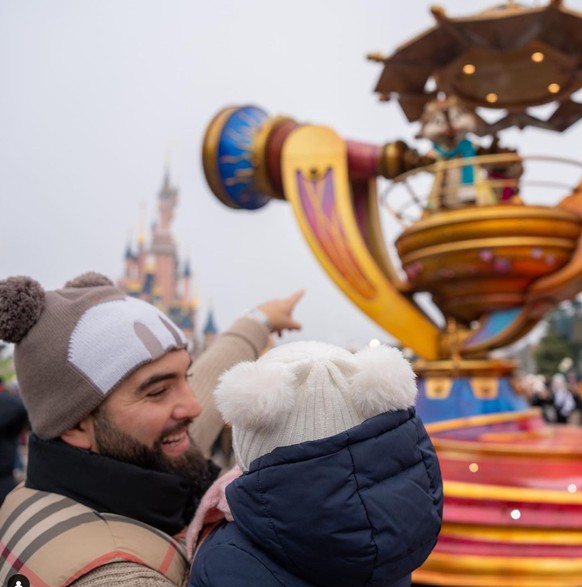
(188, 406)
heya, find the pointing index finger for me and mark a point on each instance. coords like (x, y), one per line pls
(295, 297)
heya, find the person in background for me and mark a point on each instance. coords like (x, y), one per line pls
(13, 419)
(573, 385)
(537, 391)
(564, 401)
(114, 471)
(340, 483)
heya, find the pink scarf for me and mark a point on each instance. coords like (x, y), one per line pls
(212, 509)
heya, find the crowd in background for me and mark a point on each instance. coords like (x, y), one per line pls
(559, 396)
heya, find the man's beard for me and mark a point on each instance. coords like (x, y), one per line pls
(114, 443)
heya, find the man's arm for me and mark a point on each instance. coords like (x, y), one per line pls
(243, 341)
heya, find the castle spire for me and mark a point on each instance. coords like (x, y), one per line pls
(210, 331)
(210, 327)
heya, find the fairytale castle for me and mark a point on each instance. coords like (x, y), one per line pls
(156, 274)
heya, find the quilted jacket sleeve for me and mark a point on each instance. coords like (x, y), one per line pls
(228, 565)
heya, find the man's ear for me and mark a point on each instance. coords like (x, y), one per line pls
(82, 435)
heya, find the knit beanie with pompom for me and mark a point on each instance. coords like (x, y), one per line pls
(75, 345)
(307, 391)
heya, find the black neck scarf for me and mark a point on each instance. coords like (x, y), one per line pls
(162, 500)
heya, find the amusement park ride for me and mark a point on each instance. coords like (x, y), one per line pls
(492, 262)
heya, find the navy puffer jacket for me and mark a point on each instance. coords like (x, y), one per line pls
(361, 508)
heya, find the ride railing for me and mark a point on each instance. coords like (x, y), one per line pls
(484, 180)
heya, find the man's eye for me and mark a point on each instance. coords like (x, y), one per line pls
(157, 392)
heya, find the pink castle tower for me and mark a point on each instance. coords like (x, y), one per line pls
(156, 274)
(163, 247)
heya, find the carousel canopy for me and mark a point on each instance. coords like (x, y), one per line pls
(508, 57)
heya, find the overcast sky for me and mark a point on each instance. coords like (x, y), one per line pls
(97, 97)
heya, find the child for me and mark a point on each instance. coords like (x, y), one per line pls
(341, 485)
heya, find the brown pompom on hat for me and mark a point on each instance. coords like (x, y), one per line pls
(75, 345)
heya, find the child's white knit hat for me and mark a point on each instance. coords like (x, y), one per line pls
(309, 390)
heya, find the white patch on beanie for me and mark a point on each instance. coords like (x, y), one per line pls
(105, 347)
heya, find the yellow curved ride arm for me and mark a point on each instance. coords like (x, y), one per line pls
(316, 184)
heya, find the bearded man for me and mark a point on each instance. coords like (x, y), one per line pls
(118, 452)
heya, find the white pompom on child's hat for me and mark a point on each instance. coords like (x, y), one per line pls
(309, 390)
